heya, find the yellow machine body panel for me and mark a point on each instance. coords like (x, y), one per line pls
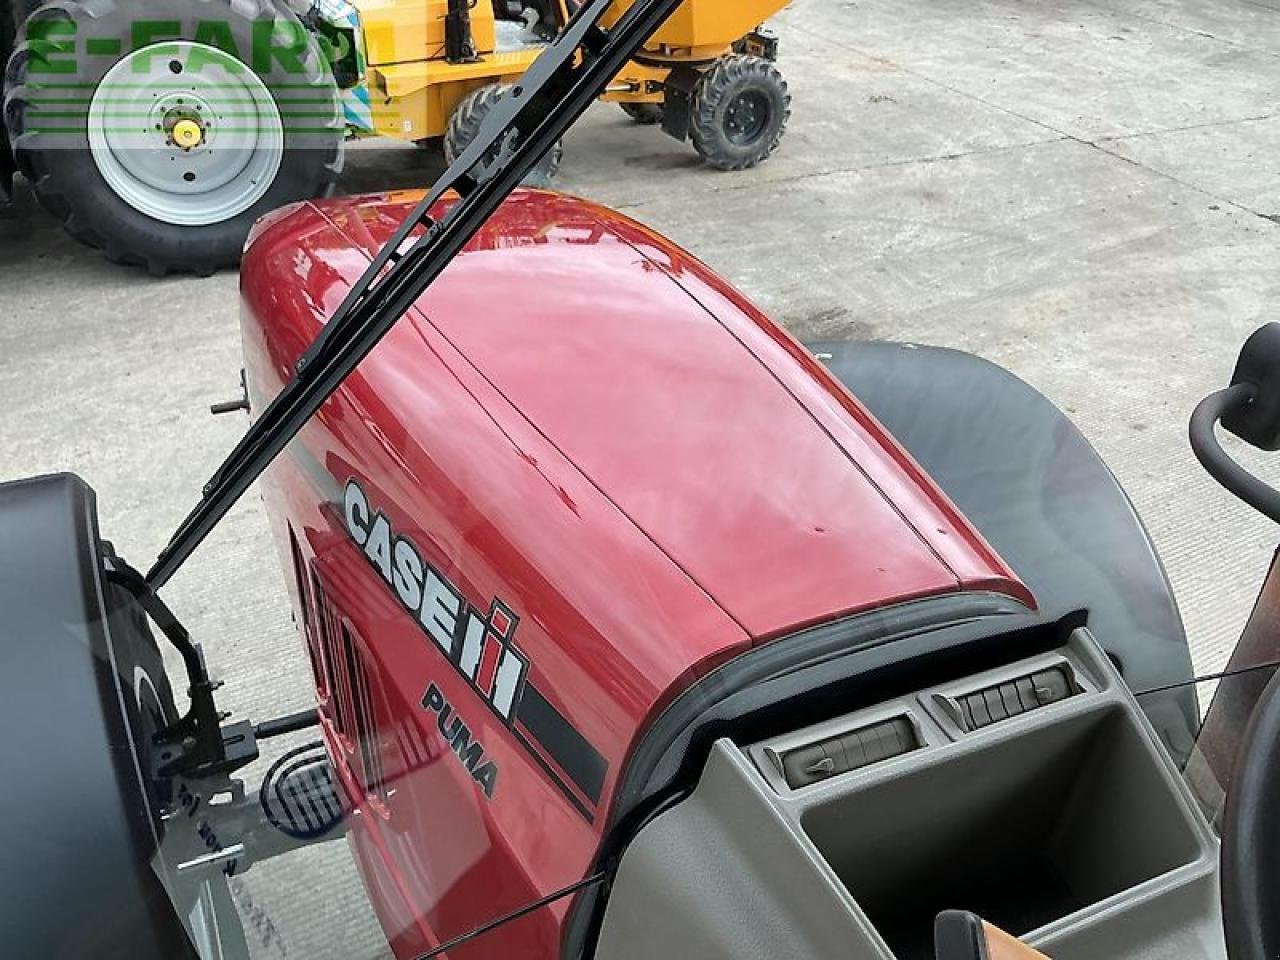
(705, 23)
(414, 101)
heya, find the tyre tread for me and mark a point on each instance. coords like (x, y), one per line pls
(721, 80)
(465, 123)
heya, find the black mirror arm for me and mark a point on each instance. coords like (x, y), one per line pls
(1204, 443)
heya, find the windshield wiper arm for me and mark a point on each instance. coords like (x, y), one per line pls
(565, 79)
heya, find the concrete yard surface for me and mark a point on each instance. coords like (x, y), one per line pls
(1087, 193)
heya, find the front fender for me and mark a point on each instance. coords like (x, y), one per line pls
(78, 830)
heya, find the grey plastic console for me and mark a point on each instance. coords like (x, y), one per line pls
(1063, 821)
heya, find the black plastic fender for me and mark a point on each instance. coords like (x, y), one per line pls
(79, 831)
(1043, 498)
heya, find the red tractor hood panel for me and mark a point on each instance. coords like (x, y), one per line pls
(717, 435)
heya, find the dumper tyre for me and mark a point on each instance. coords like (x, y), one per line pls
(739, 112)
(645, 114)
(161, 146)
(464, 127)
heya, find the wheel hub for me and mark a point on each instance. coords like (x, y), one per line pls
(746, 117)
(185, 133)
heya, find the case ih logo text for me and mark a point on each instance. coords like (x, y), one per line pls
(479, 645)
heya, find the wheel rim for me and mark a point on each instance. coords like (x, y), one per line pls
(746, 117)
(185, 133)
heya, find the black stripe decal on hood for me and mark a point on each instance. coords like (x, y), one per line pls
(569, 748)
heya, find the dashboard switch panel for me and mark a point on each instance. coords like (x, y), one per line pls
(989, 705)
(849, 751)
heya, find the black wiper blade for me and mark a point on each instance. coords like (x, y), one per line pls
(565, 79)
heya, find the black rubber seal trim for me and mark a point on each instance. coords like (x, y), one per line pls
(657, 757)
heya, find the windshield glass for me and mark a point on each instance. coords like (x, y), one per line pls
(1225, 702)
(956, 276)
(317, 899)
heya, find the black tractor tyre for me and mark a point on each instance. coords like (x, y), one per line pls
(7, 170)
(48, 95)
(7, 166)
(464, 125)
(645, 114)
(739, 112)
(11, 18)
(19, 10)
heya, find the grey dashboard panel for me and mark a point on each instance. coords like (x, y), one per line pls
(1067, 823)
(1181, 919)
(724, 876)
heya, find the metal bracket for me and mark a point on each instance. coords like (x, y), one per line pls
(677, 102)
(230, 406)
(459, 45)
(758, 43)
(196, 744)
(214, 825)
